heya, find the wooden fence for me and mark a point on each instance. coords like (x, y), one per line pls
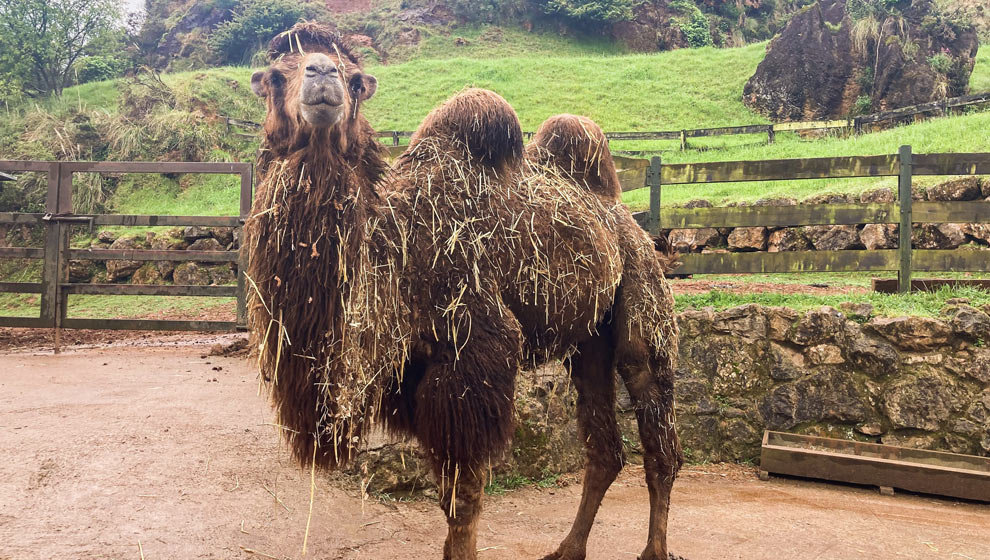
(56, 253)
(395, 138)
(652, 174)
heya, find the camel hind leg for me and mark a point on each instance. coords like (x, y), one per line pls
(593, 373)
(647, 372)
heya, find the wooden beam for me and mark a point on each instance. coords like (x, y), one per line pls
(789, 262)
(779, 216)
(21, 253)
(21, 287)
(780, 170)
(149, 325)
(959, 260)
(20, 218)
(904, 199)
(951, 212)
(149, 255)
(149, 290)
(153, 167)
(151, 221)
(811, 125)
(952, 164)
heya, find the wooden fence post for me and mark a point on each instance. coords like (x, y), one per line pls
(904, 196)
(683, 140)
(654, 181)
(771, 135)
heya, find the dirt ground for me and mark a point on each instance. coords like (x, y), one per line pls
(153, 448)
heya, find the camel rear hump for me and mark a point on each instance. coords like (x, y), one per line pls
(577, 147)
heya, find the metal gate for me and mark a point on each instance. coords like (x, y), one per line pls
(56, 252)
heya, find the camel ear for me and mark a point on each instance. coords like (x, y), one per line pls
(257, 84)
(363, 86)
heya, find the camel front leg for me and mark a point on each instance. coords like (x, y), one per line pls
(461, 504)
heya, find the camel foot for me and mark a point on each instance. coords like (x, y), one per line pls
(565, 555)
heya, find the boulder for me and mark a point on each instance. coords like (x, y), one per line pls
(963, 188)
(698, 203)
(147, 274)
(938, 236)
(122, 270)
(693, 240)
(191, 274)
(861, 310)
(979, 233)
(221, 274)
(206, 244)
(776, 201)
(921, 402)
(815, 69)
(829, 198)
(824, 354)
(970, 322)
(985, 187)
(834, 238)
(879, 236)
(873, 356)
(780, 320)
(787, 239)
(919, 334)
(884, 194)
(818, 326)
(786, 364)
(223, 235)
(829, 396)
(81, 271)
(192, 233)
(106, 236)
(748, 239)
(747, 322)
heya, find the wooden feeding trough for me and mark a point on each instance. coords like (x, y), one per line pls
(885, 466)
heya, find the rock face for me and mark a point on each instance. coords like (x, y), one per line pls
(815, 69)
(748, 239)
(908, 381)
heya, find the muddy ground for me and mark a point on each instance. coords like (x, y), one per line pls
(153, 448)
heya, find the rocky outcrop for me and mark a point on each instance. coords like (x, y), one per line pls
(912, 381)
(824, 65)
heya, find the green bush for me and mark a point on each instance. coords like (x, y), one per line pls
(863, 106)
(693, 23)
(99, 67)
(941, 63)
(590, 11)
(253, 24)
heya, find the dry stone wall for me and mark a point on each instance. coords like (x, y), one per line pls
(845, 237)
(911, 381)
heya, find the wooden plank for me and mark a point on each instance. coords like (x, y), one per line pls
(149, 290)
(946, 474)
(779, 216)
(789, 262)
(6, 177)
(643, 219)
(149, 255)
(664, 135)
(967, 100)
(728, 130)
(149, 325)
(25, 322)
(21, 253)
(904, 112)
(20, 218)
(653, 179)
(24, 166)
(811, 125)
(152, 221)
(631, 172)
(951, 212)
(779, 170)
(904, 199)
(891, 285)
(952, 164)
(153, 167)
(959, 260)
(21, 287)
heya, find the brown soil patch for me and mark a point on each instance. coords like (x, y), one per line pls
(692, 287)
(156, 442)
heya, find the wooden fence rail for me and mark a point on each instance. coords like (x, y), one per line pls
(637, 174)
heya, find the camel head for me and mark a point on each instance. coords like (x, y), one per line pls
(314, 83)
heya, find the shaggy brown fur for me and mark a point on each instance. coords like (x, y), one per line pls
(412, 298)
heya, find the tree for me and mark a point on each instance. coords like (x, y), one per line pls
(41, 40)
(589, 11)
